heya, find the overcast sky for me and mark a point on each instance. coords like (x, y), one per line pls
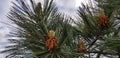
(67, 6)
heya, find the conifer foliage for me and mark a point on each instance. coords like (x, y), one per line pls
(43, 32)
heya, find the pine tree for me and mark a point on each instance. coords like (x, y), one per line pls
(43, 32)
(98, 27)
(36, 25)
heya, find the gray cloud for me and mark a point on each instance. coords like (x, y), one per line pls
(66, 3)
(4, 9)
(67, 7)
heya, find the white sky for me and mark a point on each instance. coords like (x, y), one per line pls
(78, 2)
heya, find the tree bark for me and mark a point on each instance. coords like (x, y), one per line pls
(118, 55)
